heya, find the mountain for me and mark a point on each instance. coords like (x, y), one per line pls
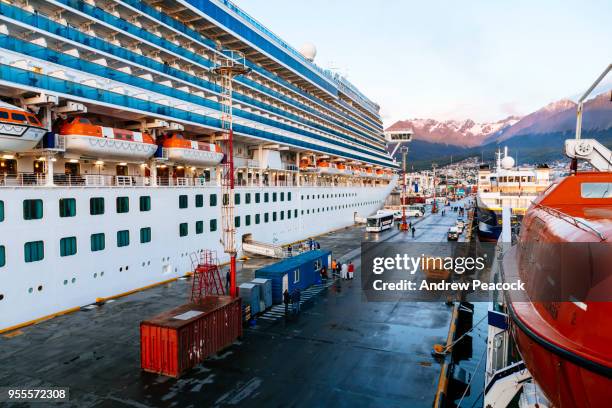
(465, 133)
(536, 137)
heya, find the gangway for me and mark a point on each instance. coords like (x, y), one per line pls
(265, 249)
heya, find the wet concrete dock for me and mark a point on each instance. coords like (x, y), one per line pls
(342, 351)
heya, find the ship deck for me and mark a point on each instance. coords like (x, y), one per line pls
(342, 351)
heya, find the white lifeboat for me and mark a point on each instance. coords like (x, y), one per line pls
(191, 152)
(19, 129)
(86, 139)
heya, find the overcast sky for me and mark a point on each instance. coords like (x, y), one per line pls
(483, 60)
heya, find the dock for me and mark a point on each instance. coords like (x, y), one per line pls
(341, 351)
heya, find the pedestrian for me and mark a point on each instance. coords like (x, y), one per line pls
(228, 280)
(344, 271)
(289, 250)
(338, 268)
(310, 244)
(413, 230)
(318, 245)
(286, 302)
(333, 266)
(351, 270)
(323, 273)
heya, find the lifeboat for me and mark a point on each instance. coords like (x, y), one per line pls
(191, 152)
(89, 140)
(19, 129)
(369, 172)
(380, 173)
(325, 167)
(344, 169)
(561, 321)
(306, 164)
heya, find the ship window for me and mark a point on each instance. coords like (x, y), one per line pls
(596, 190)
(266, 197)
(282, 215)
(85, 121)
(257, 197)
(199, 227)
(257, 218)
(199, 200)
(145, 203)
(183, 229)
(123, 204)
(18, 116)
(247, 198)
(247, 220)
(274, 197)
(97, 242)
(33, 120)
(145, 235)
(3, 115)
(34, 251)
(237, 198)
(237, 221)
(266, 217)
(295, 213)
(282, 196)
(213, 200)
(67, 207)
(183, 201)
(123, 238)
(213, 225)
(68, 246)
(2, 256)
(289, 196)
(32, 209)
(274, 216)
(96, 205)
(288, 214)
(1, 210)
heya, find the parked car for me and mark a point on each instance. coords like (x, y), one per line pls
(453, 234)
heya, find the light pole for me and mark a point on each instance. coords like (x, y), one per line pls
(404, 224)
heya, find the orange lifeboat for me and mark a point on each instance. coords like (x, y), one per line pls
(306, 164)
(325, 167)
(343, 168)
(561, 321)
(84, 138)
(191, 152)
(369, 172)
(379, 172)
(19, 130)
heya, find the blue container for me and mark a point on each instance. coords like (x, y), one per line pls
(249, 293)
(265, 291)
(298, 272)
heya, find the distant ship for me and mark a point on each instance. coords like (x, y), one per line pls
(509, 186)
(110, 161)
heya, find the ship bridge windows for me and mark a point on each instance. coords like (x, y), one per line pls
(32, 209)
(67, 207)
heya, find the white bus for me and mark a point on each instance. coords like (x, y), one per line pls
(415, 211)
(379, 222)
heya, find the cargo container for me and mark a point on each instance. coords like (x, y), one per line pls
(298, 272)
(249, 293)
(265, 291)
(177, 340)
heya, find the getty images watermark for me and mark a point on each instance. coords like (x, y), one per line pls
(430, 271)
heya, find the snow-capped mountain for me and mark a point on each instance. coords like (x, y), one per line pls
(465, 133)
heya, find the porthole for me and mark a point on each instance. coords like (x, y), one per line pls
(102, 273)
(121, 269)
(143, 264)
(149, 263)
(127, 267)
(73, 280)
(95, 275)
(30, 290)
(1, 296)
(40, 288)
(65, 281)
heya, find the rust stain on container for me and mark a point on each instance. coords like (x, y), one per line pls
(179, 339)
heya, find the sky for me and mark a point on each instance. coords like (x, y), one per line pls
(477, 59)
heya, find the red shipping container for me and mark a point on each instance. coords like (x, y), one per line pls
(180, 339)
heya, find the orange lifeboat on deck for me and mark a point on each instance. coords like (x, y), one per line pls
(380, 172)
(19, 130)
(191, 152)
(344, 169)
(369, 172)
(325, 167)
(561, 321)
(306, 164)
(86, 139)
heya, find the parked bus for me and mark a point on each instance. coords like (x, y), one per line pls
(415, 210)
(379, 222)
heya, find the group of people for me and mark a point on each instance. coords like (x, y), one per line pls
(344, 270)
(293, 299)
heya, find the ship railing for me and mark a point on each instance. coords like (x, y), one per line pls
(246, 163)
(22, 179)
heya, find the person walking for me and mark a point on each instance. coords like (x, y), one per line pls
(344, 271)
(333, 266)
(286, 302)
(338, 268)
(351, 270)
(413, 230)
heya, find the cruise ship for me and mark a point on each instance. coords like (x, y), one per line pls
(110, 127)
(506, 185)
